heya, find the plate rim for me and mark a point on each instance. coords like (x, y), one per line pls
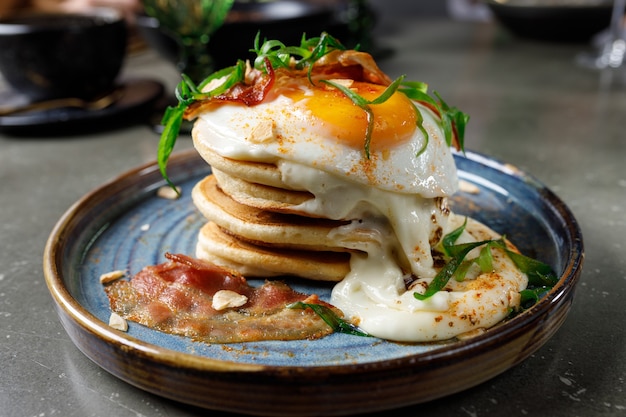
(73, 314)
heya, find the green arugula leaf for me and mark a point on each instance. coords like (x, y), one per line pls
(539, 274)
(303, 56)
(461, 271)
(453, 120)
(485, 259)
(530, 296)
(449, 239)
(172, 119)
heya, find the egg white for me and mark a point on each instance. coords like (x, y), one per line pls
(280, 129)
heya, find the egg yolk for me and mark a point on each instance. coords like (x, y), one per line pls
(394, 120)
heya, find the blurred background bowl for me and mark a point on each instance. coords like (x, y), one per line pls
(51, 55)
(553, 20)
(285, 20)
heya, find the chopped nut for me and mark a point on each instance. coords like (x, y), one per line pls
(467, 187)
(513, 169)
(262, 132)
(111, 276)
(472, 333)
(118, 322)
(226, 299)
(515, 298)
(168, 192)
(213, 84)
(344, 82)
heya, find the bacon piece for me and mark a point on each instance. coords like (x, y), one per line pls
(176, 297)
(253, 91)
(342, 61)
(353, 65)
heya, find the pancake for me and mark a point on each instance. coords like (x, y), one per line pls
(261, 196)
(267, 228)
(217, 246)
(255, 172)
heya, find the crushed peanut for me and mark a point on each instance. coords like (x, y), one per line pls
(227, 299)
(341, 81)
(468, 187)
(111, 276)
(263, 132)
(118, 322)
(168, 192)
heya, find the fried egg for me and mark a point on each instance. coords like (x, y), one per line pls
(320, 127)
(315, 135)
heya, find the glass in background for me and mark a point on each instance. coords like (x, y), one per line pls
(191, 23)
(612, 48)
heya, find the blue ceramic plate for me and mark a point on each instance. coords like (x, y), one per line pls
(124, 225)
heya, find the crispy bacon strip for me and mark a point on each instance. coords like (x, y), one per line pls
(253, 91)
(176, 297)
(354, 65)
(346, 61)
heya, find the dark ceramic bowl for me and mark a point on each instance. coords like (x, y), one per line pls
(553, 20)
(286, 20)
(62, 55)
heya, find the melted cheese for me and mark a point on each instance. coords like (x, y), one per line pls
(374, 293)
(405, 222)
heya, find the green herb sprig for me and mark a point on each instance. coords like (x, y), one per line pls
(364, 104)
(453, 120)
(278, 55)
(186, 94)
(541, 277)
(304, 56)
(333, 320)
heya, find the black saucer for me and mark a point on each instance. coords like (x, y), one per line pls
(135, 105)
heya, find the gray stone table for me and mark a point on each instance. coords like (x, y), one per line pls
(530, 105)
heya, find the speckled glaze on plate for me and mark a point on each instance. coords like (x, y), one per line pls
(123, 225)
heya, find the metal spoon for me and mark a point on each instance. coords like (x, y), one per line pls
(97, 104)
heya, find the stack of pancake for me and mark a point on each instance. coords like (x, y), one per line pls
(255, 227)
